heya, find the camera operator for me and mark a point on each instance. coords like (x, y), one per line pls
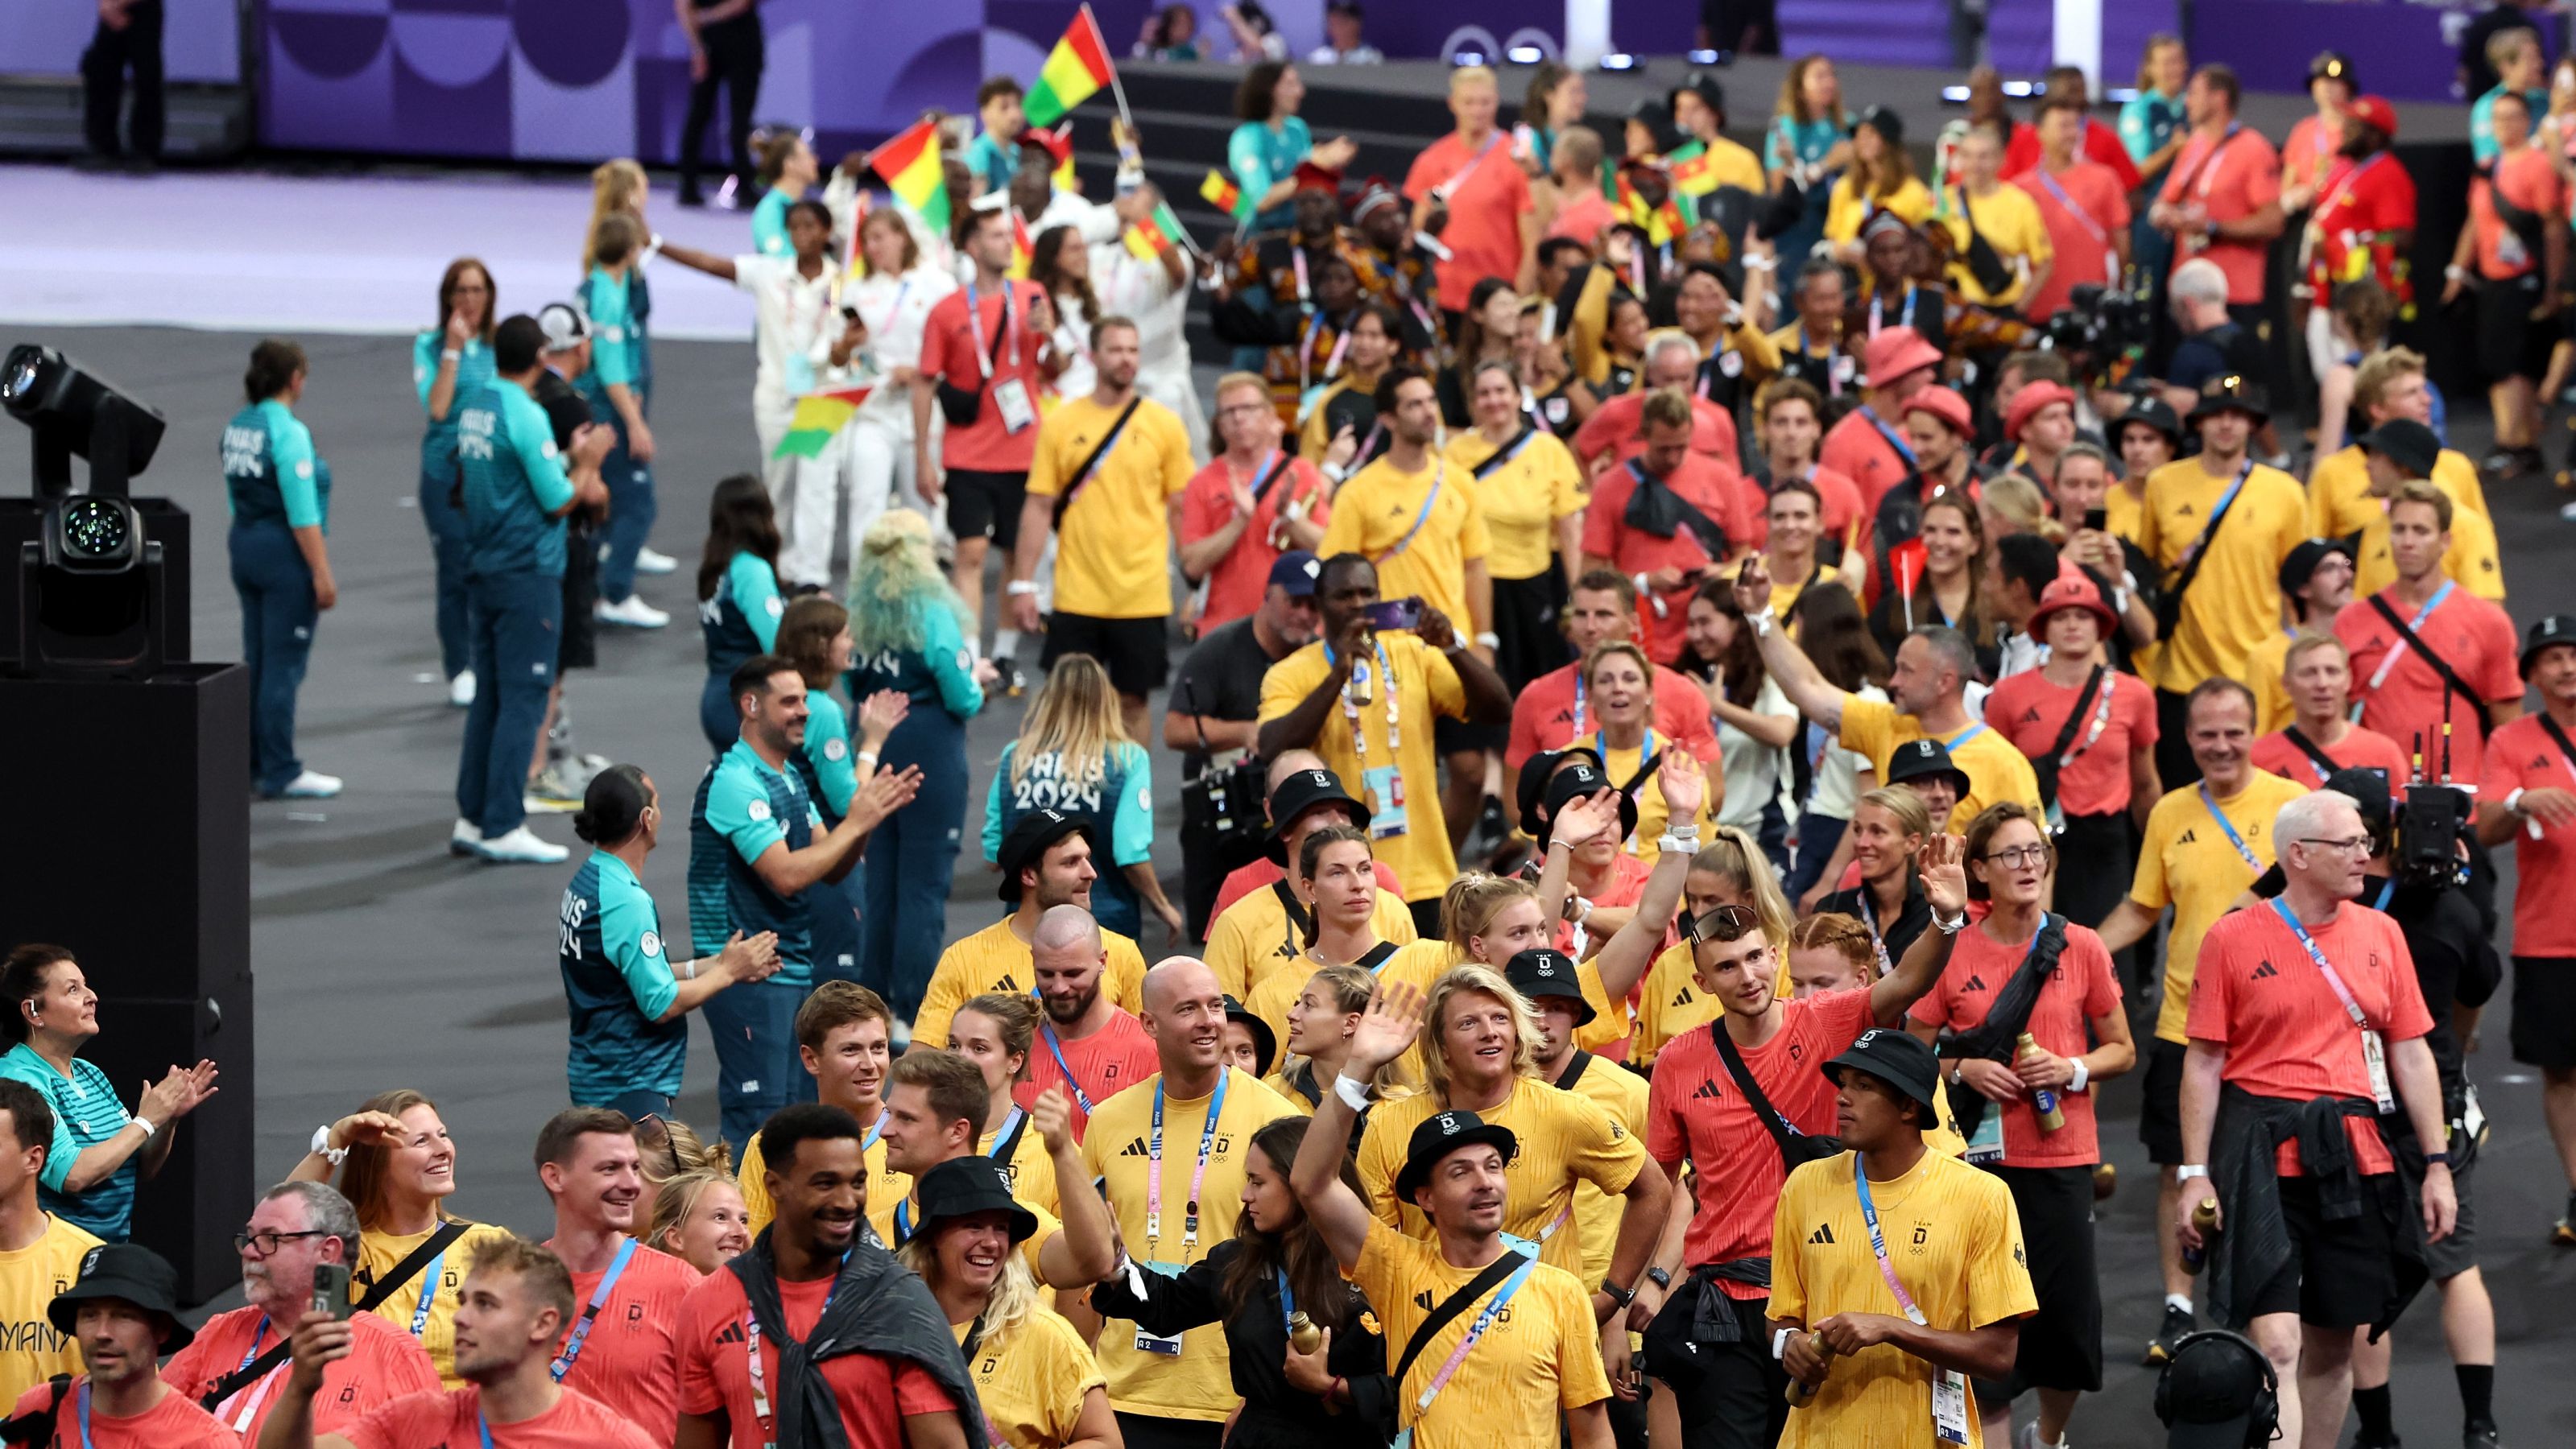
(2213, 343)
(2414, 867)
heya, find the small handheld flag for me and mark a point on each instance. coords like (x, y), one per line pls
(818, 418)
(910, 165)
(1074, 71)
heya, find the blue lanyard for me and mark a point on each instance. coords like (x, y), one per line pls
(482, 1422)
(1081, 1098)
(1894, 438)
(261, 1332)
(2233, 838)
(1833, 375)
(876, 1131)
(84, 1417)
(1645, 750)
(1961, 738)
(1439, 475)
(1878, 1240)
(1287, 1300)
(2387, 888)
(590, 1314)
(1198, 1177)
(429, 1279)
(2068, 204)
(2342, 992)
(1002, 1134)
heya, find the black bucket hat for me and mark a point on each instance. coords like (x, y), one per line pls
(1443, 1133)
(132, 1273)
(964, 1186)
(1542, 971)
(1301, 792)
(1265, 1042)
(1897, 1057)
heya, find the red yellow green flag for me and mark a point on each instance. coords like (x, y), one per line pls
(1221, 193)
(818, 417)
(1694, 171)
(1076, 69)
(1155, 235)
(1022, 253)
(910, 165)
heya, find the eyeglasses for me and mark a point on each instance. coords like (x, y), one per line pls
(267, 1242)
(1721, 923)
(2357, 845)
(2020, 855)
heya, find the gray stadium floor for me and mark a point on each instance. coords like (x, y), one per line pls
(384, 962)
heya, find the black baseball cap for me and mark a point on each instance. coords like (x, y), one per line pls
(1029, 839)
(132, 1273)
(1885, 121)
(1897, 1057)
(1265, 1042)
(964, 1186)
(2405, 442)
(1304, 791)
(1530, 791)
(2548, 633)
(1917, 759)
(2211, 1390)
(1443, 1133)
(2369, 791)
(1541, 971)
(2150, 412)
(1581, 774)
(2301, 565)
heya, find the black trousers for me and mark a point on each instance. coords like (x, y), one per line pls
(2095, 866)
(111, 53)
(735, 57)
(1731, 1395)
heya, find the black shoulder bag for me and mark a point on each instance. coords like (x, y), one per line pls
(2323, 762)
(1657, 507)
(2046, 766)
(961, 405)
(1082, 476)
(386, 1287)
(2000, 1034)
(2451, 680)
(2169, 603)
(1450, 1307)
(36, 1426)
(1795, 1146)
(1985, 264)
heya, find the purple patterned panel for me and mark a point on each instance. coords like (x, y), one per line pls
(436, 115)
(2403, 51)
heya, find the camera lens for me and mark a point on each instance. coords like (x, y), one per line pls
(94, 528)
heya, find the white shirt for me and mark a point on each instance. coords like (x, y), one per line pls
(896, 310)
(1142, 290)
(2021, 654)
(1754, 770)
(791, 312)
(1073, 344)
(1356, 55)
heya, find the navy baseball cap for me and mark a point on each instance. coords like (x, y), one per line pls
(1296, 572)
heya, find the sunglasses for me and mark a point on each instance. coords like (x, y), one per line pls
(1721, 924)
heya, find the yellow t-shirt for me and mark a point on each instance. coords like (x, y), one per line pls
(2010, 222)
(1032, 1383)
(1646, 842)
(885, 1185)
(996, 959)
(2188, 863)
(379, 1253)
(1116, 1145)
(2235, 599)
(2261, 673)
(2121, 513)
(1669, 1004)
(1846, 210)
(1732, 163)
(2472, 560)
(1521, 500)
(1564, 1139)
(1954, 1238)
(1621, 1094)
(1995, 770)
(1425, 686)
(1114, 542)
(1538, 1358)
(2339, 501)
(34, 1350)
(1253, 940)
(1312, 440)
(1375, 511)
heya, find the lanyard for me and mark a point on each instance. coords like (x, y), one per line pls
(2069, 205)
(429, 1278)
(894, 309)
(2343, 993)
(1449, 188)
(590, 1313)
(1578, 699)
(1306, 351)
(2343, 184)
(1439, 476)
(1894, 438)
(1962, 737)
(1198, 1174)
(1905, 319)
(251, 1397)
(2101, 720)
(84, 1415)
(1297, 263)
(1484, 1320)
(876, 1130)
(2379, 676)
(760, 1376)
(1081, 1098)
(1010, 324)
(1877, 939)
(2208, 176)
(2387, 888)
(1878, 1242)
(482, 1423)
(1002, 1135)
(2233, 838)
(1287, 1301)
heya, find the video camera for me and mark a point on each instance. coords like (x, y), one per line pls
(2099, 325)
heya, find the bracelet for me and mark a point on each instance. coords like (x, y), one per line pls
(865, 759)
(1763, 621)
(322, 1147)
(1950, 927)
(2513, 802)
(2082, 1075)
(1659, 1277)
(1780, 1342)
(2443, 1158)
(686, 970)
(1017, 588)
(1353, 1094)
(1681, 840)
(2191, 1170)
(450, 354)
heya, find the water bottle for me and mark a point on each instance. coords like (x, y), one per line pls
(2204, 1221)
(2042, 1100)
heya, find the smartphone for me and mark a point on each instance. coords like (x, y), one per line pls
(2097, 519)
(1388, 614)
(331, 1289)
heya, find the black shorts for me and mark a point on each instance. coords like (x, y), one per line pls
(2160, 1115)
(1136, 652)
(1729, 1393)
(2061, 1347)
(1525, 620)
(2544, 1012)
(986, 505)
(2457, 1253)
(580, 646)
(2337, 1276)
(2509, 343)
(1450, 736)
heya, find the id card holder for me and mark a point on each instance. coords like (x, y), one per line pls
(1950, 1406)
(1011, 395)
(1149, 1343)
(1988, 1145)
(2376, 1054)
(1384, 787)
(2473, 1117)
(1526, 1247)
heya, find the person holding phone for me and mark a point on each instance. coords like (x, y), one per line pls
(447, 362)
(296, 1252)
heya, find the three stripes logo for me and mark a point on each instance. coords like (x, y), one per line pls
(1422, 1300)
(1823, 1235)
(1707, 1092)
(1006, 985)
(1975, 982)
(2263, 971)
(1135, 1148)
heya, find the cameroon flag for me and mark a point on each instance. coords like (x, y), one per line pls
(1076, 69)
(910, 165)
(819, 415)
(1155, 235)
(1220, 192)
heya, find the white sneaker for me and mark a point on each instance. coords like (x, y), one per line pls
(648, 561)
(630, 613)
(311, 785)
(521, 847)
(2567, 511)
(465, 839)
(460, 690)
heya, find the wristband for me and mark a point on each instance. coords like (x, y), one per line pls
(1780, 1342)
(1353, 1094)
(1681, 840)
(1763, 621)
(2082, 1075)
(865, 759)
(2513, 802)
(321, 1145)
(450, 354)
(686, 970)
(1490, 639)
(2443, 1158)
(1626, 1296)
(2189, 1171)
(2455, 273)
(1950, 927)
(1659, 1277)
(1017, 588)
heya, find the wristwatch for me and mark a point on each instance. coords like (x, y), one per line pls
(1625, 1296)
(2443, 1158)
(1780, 1342)
(1659, 1277)
(1017, 587)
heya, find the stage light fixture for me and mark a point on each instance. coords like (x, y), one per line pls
(1524, 55)
(90, 585)
(1466, 57)
(75, 412)
(1618, 60)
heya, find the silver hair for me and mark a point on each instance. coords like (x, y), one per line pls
(2199, 280)
(1668, 338)
(324, 1211)
(2303, 817)
(1952, 648)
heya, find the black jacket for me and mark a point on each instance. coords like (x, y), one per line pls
(877, 1307)
(1275, 1415)
(2254, 1241)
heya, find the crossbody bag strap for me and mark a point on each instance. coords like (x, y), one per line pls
(2049, 766)
(1506, 452)
(1082, 475)
(393, 1282)
(2324, 762)
(1298, 916)
(2169, 604)
(2451, 680)
(1754, 1096)
(1450, 1307)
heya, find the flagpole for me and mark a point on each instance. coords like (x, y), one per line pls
(1117, 91)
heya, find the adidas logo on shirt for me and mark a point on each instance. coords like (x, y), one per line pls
(2030, 715)
(2540, 762)
(1422, 1300)
(1975, 983)
(2188, 837)
(1007, 985)
(1135, 1148)
(1707, 1092)
(1824, 1234)
(2263, 972)
(732, 1333)
(1682, 997)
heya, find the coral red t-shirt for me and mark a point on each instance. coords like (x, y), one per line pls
(1708, 486)
(1857, 449)
(2522, 756)
(453, 1419)
(2031, 712)
(1487, 195)
(1235, 585)
(949, 350)
(2084, 207)
(2240, 179)
(2080, 990)
(1617, 428)
(174, 1423)
(875, 1394)
(2257, 993)
(629, 1360)
(2472, 635)
(1552, 711)
(384, 1364)
(1104, 1064)
(2359, 749)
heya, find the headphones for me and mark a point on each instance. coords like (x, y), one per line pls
(2262, 1416)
